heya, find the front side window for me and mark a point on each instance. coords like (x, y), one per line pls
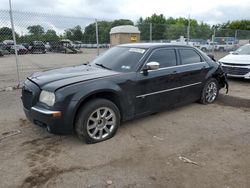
(121, 59)
(189, 56)
(166, 57)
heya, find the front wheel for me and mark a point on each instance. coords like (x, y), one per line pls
(97, 120)
(210, 91)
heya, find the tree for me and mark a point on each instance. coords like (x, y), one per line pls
(158, 26)
(89, 34)
(50, 35)
(121, 22)
(104, 27)
(74, 34)
(6, 34)
(36, 29)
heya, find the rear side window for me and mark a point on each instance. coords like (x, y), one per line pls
(166, 57)
(189, 56)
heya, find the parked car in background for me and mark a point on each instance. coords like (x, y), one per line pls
(4, 49)
(1, 52)
(37, 47)
(20, 49)
(77, 44)
(229, 46)
(47, 47)
(26, 45)
(8, 44)
(127, 81)
(237, 63)
(209, 46)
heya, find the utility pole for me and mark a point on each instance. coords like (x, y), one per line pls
(97, 37)
(235, 36)
(213, 38)
(188, 30)
(14, 39)
(150, 32)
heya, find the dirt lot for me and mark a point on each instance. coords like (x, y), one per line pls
(145, 152)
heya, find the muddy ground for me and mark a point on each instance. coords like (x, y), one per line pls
(147, 152)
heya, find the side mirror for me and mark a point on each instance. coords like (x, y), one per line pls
(232, 52)
(152, 65)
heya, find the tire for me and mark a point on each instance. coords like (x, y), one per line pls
(210, 91)
(93, 129)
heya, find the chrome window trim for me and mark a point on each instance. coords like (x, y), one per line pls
(166, 90)
(177, 66)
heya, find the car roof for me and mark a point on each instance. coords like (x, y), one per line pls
(152, 45)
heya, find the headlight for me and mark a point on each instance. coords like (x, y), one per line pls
(47, 98)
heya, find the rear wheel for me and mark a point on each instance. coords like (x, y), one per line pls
(210, 91)
(97, 120)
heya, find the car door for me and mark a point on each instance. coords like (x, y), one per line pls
(193, 71)
(154, 90)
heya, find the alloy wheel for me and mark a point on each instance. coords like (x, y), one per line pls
(101, 123)
(211, 92)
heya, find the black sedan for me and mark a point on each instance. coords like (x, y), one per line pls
(126, 82)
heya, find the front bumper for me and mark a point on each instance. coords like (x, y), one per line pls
(237, 71)
(57, 119)
(46, 118)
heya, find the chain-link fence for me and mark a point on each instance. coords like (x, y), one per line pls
(46, 38)
(42, 42)
(205, 37)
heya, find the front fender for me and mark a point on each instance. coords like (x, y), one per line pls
(72, 96)
(221, 76)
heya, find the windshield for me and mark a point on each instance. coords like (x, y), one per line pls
(121, 59)
(244, 50)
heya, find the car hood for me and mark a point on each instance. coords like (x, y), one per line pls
(240, 59)
(54, 79)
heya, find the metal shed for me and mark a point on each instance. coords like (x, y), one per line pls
(124, 34)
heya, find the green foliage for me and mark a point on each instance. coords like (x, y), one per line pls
(162, 28)
(104, 27)
(229, 29)
(51, 35)
(74, 34)
(36, 29)
(172, 28)
(6, 34)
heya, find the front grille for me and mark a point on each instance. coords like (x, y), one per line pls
(27, 98)
(233, 64)
(236, 70)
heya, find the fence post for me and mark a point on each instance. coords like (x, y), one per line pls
(14, 39)
(97, 36)
(213, 38)
(150, 32)
(188, 30)
(235, 36)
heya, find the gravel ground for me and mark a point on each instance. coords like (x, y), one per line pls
(147, 152)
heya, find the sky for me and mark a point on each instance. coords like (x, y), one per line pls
(211, 12)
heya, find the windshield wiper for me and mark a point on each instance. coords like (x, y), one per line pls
(101, 65)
